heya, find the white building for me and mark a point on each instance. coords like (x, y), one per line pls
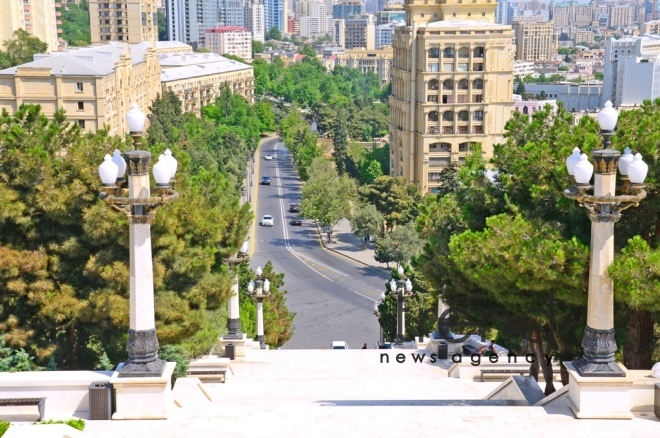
(632, 70)
(523, 68)
(188, 20)
(230, 40)
(231, 13)
(384, 33)
(575, 97)
(338, 30)
(255, 19)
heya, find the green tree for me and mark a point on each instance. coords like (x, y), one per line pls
(327, 196)
(257, 47)
(394, 198)
(21, 48)
(75, 24)
(162, 26)
(340, 143)
(274, 34)
(370, 171)
(520, 89)
(309, 51)
(366, 222)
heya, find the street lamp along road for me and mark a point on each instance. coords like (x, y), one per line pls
(136, 202)
(604, 208)
(401, 290)
(259, 290)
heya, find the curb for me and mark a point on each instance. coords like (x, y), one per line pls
(323, 245)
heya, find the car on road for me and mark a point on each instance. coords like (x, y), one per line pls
(296, 222)
(267, 221)
(294, 208)
(339, 345)
(268, 157)
(265, 180)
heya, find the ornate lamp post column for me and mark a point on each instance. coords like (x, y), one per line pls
(140, 209)
(234, 321)
(604, 209)
(261, 292)
(401, 290)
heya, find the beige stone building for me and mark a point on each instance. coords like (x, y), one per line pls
(650, 27)
(452, 87)
(229, 40)
(129, 21)
(535, 41)
(621, 15)
(198, 78)
(41, 18)
(94, 85)
(375, 61)
(584, 37)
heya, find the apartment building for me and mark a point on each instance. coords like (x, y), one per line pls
(94, 85)
(452, 87)
(40, 18)
(523, 68)
(293, 26)
(231, 13)
(274, 15)
(632, 70)
(534, 41)
(572, 14)
(384, 33)
(117, 20)
(650, 27)
(338, 30)
(198, 78)
(621, 16)
(187, 20)
(345, 9)
(361, 32)
(374, 61)
(255, 19)
(584, 37)
(230, 40)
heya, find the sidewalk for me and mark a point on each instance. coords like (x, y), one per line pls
(351, 246)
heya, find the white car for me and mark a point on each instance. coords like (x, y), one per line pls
(268, 157)
(339, 345)
(267, 221)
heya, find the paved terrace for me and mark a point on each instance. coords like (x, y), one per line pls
(326, 393)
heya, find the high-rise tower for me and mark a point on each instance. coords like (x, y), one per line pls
(452, 87)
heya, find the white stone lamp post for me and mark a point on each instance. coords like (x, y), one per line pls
(140, 208)
(604, 208)
(234, 321)
(259, 290)
(401, 290)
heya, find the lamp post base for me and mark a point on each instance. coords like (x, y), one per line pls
(234, 327)
(598, 360)
(143, 358)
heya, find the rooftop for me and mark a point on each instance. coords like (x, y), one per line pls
(195, 65)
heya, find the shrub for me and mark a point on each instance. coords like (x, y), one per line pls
(4, 425)
(76, 423)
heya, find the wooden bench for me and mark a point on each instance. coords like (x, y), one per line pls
(39, 402)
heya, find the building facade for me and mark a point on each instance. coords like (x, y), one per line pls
(375, 61)
(129, 22)
(231, 13)
(384, 33)
(452, 87)
(94, 85)
(621, 15)
(575, 97)
(345, 9)
(187, 20)
(198, 78)
(40, 18)
(274, 15)
(572, 14)
(361, 32)
(534, 41)
(338, 30)
(650, 27)
(230, 40)
(632, 70)
(255, 19)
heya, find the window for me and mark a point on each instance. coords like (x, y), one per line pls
(478, 67)
(477, 98)
(448, 116)
(434, 52)
(478, 116)
(448, 66)
(81, 106)
(432, 67)
(478, 84)
(463, 52)
(462, 67)
(432, 98)
(448, 52)
(433, 130)
(463, 116)
(79, 86)
(462, 129)
(440, 147)
(447, 99)
(439, 161)
(433, 84)
(447, 129)
(448, 84)
(463, 84)
(81, 123)
(478, 129)
(478, 52)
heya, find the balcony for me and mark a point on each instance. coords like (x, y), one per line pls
(447, 129)
(432, 130)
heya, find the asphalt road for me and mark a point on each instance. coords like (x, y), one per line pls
(333, 296)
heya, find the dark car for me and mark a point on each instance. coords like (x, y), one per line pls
(294, 208)
(265, 180)
(296, 222)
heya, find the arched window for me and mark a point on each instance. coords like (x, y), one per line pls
(478, 52)
(525, 110)
(463, 52)
(448, 52)
(433, 84)
(463, 116)
(466, 147)
(433, 116)
(478, 84)
(448, 84)
(463, 84)
(434, 52)
(440, 147)
(448, 116)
